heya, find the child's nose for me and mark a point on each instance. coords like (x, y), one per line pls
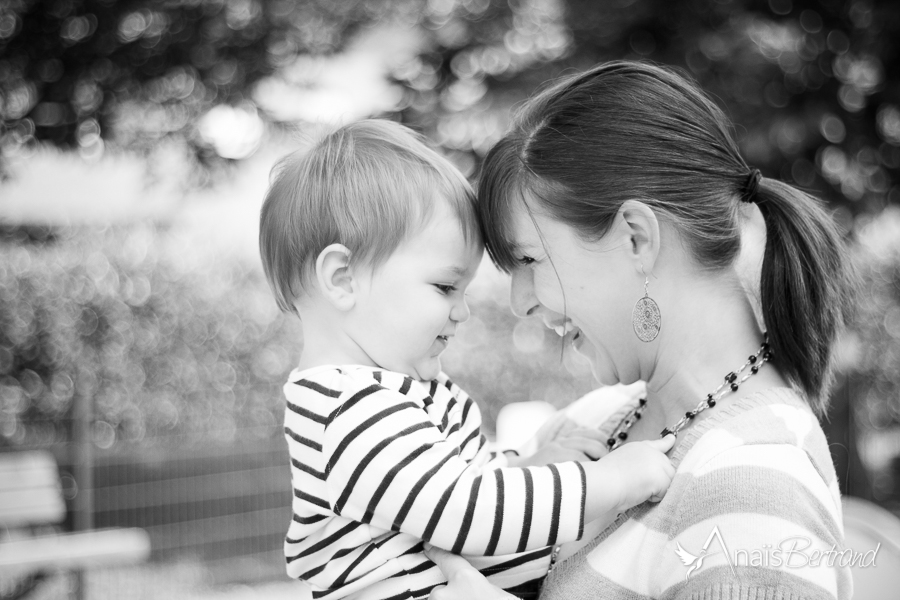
(460, 312)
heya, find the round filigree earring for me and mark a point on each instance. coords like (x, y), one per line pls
(646, 317)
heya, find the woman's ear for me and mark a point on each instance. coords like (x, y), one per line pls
(642, 227)
(335, 278)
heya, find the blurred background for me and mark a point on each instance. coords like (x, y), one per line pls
(138, 339)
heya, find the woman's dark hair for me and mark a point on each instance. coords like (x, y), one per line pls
(626, 130)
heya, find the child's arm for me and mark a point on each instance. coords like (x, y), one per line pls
(390, 466)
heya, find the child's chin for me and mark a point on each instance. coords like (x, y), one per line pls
(429, 370)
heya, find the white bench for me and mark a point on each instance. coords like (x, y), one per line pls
(32, 504)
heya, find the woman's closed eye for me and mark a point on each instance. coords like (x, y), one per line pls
(445, 288)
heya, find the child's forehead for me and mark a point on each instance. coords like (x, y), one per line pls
(441, 242)
(444, 214)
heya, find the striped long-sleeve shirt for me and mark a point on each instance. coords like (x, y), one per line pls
(380, 462)
(753, 512)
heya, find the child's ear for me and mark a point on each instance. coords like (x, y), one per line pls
(334, 276)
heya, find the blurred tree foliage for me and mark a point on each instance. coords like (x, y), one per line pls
(154, 335)
(870, 356)
(813, 85)
(135, 71)
(177, 348)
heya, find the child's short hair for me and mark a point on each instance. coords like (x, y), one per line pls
(366, 186)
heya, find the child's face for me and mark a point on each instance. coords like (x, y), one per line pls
(409, 307)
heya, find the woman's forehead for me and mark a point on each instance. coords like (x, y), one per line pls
(530, 225)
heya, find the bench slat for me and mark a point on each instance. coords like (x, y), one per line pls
(30, 494)
(26, 480)
(35, 460)
(18, 509)
(29, 489)
(75, 551)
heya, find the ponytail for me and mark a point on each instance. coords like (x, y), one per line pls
(804, 287)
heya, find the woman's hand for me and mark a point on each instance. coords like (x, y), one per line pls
(464, 582)
(561, 439)
(581, 445)
(559, 425)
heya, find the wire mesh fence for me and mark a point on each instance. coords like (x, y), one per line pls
(224, 505)
(217, 504)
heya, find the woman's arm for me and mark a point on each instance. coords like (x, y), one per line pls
(464, 582)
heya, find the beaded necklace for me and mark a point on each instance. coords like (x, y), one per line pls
(731, 384)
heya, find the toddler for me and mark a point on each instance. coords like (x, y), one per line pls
(371, 239)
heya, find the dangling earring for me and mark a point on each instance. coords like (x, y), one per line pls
(645, 317)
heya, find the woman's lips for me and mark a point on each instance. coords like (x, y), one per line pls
(577, 340)
(564, 329)
(567, 331)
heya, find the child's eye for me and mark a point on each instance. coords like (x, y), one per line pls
(526, 260)
(445, 289)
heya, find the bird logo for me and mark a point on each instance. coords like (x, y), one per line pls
(694, 562)
(689, 560)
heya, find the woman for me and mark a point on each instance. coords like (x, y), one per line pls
(618, 203)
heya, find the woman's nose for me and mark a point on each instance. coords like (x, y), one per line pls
(521, 293)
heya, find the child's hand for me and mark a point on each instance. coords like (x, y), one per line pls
(641, 470)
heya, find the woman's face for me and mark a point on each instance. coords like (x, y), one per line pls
(583, 290)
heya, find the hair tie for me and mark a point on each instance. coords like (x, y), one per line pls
(751, 186)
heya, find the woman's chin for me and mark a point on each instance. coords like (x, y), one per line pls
(602, 371)
(604, 376)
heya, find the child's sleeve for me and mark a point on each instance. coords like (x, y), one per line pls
(389, 465)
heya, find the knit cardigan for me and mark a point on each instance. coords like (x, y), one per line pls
(753, 513)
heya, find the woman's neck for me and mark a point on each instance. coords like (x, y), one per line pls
(705, 336)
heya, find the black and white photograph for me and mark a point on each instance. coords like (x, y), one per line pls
(449, 299)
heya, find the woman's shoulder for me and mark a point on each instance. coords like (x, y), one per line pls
(760, 448)
(758, 480)
(753, 478)
(769, 441)
(762, 474)
(777, 417)
(772, 423)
